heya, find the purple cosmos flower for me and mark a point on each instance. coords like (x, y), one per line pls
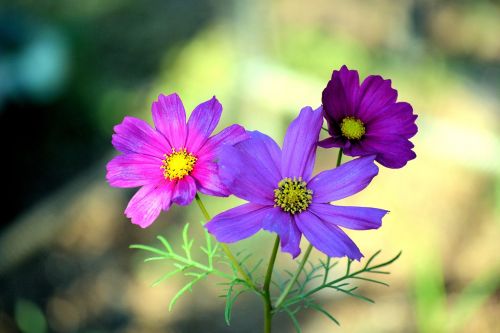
(367, 120)
(171, 161)
(285, 199)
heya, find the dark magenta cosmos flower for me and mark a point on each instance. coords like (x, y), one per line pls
(367, 120)
(171, 161)
(285, 199)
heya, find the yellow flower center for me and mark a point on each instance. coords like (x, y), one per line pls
(178, 164)
(352, 128)
(292, 195)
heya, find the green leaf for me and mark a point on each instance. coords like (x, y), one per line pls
(230, 302)
(295, 322)
(187, 287)
(166, 276)
(319, 308)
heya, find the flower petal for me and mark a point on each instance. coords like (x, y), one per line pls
(134, 135)
(392, 151)
(396, 119)
(250, 168)
(283, 224)
(357, 218)
(169, 117)
(147, 203)
(207, 178)
(375, 93)
(132, 170)
(341, 94)
(326, 237)
(299, 145)
(343, 181)
(228, 136)
(184, 191)
(237, 223)
(202, 123)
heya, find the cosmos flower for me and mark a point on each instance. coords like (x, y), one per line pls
(367, 120)
(285, 199)
(172, 161)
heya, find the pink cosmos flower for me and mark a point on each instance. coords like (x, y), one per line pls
(172, 161)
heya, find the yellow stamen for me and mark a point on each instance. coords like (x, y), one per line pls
(178, 164)
(352, 128)
(292, 195)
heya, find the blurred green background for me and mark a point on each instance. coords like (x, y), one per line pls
(71, 70)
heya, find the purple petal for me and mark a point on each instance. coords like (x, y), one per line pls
(133, 170)
(282, 223)
(375, 93)
(169, 117)
(237, 223)
(184, 191)
(147, 203)
(250, 169)
(206, 174)
(332, 142)
(134, 135)
(392, 151)
(357, 218)
(343, 181)
(299, 145)
(341, 95)
(228, 136)
(326, 237)
(396, 119)
(202, 123)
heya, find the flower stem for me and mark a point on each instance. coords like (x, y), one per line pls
(268, 308)
(290, 284)
(327, 267)
(226, 249)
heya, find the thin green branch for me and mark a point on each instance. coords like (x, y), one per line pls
(290, 284)
(226, 249)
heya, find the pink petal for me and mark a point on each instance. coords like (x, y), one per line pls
(147, 203)
(134, 135)
(184, 191)
(133, 170)
(169, 117)
(202, 123)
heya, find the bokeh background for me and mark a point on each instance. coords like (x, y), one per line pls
(71, 70)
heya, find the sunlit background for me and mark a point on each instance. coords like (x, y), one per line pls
(71, 70)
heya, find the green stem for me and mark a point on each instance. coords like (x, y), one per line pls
(327, 268)
(290, 284)
(226, 249)
(268, 308)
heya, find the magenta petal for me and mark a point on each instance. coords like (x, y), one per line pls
(237, 223)
(343, 181)
(202, 123)
(147, 203)
(250, 169)
(375, 93)
(283, 224)
(299, 145)
(357, 218)
(169, 117)
(133, 170)
(206, 175)
(341, 94)
(134, 135)
(184, 191)
(228, 136)
(326, 237)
